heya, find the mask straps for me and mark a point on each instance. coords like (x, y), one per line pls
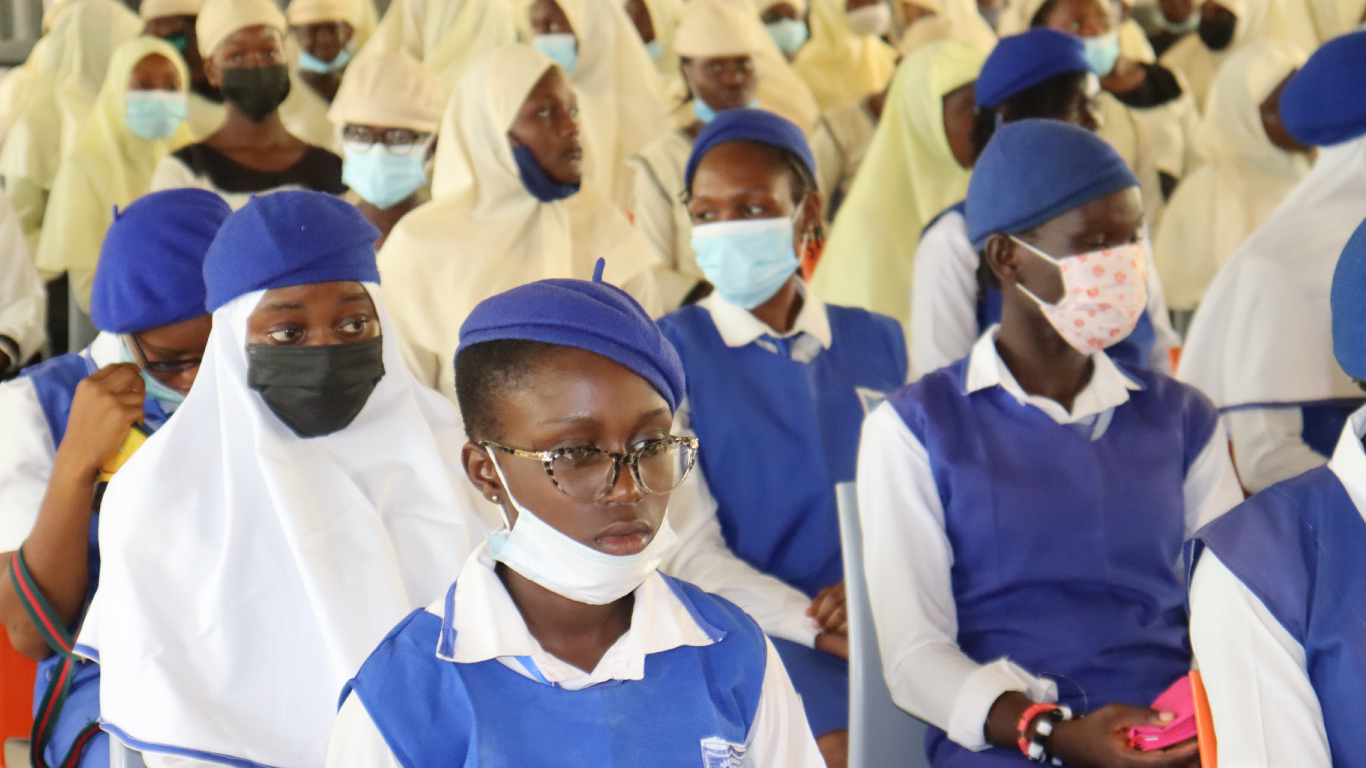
(1042, 255)
(506, 488)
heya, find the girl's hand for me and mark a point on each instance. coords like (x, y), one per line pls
(1101, 740)
(107, 404)
(827, 611)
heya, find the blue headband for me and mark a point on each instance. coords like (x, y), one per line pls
(151, 268)
(1022, 61)
(595, 316)
(1034, 170)
(1348, 302)
(754, 125)
(1324, 103)
(289, 238)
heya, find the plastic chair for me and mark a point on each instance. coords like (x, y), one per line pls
(881, 734)
(121, 756)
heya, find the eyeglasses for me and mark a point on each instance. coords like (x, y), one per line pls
(586, 474)
(163, 366)
(400, 141)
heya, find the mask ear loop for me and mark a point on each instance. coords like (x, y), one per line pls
(1046, 257)
(506, 489)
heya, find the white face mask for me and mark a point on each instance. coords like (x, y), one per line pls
(570, 569)
(873, 19)
(1104, 293)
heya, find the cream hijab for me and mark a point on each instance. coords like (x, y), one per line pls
(109, 166)
(838, 65)
(68, 72)
(1244, 179)
(483, 233)
(952, 20)
(907, 178)
(445, 35)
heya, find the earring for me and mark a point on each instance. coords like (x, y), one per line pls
(495, 499)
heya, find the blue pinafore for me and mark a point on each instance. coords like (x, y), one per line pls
(693, 709)
(54, 382)
(777, 435)
(1065, 542)
(1298, 546)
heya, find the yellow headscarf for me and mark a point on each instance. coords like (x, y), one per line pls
(1244, 179)
(360, 14)
(484, 233)
(907, 178)
(838, 65)
(110, 165)
(952, 20)
(445, 35)
(155, 9)
(389, 89)
(220, 19)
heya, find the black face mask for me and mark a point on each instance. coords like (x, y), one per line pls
(316, 390)
(257, 91)
(1216, 35)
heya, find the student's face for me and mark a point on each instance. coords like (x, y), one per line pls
(154, 73)
(1176, 11)
(171, 27)
(324, 41)
(640, 17)
(723, 82)
(574, 398)
(1106, 222)
(1084, 18)
(548, 18)
(259, 46)
(739, 180)
(1271, 120)
(314, 315)
(780, 11)
(183, 341)
(548, 124)
(960, 112)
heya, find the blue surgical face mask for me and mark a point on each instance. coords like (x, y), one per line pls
(309, 64)
(167, 398)
(703, 111)
(1102, 52)
(537, 181)
(789, 34)
(655, 50)
(562, 48)
(748, 260)
(155, 114)
(383, 178)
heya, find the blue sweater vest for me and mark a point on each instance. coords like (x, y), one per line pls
(1298, 546)
(777, 434)
(54, 383)
(1064, 546)
(693, 709)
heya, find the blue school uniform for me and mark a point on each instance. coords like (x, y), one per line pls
(1064, 536)
(1298, 547)
(694, 705)
(777, 434)
(54, 382)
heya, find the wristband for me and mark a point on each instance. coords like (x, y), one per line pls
(1032, 739)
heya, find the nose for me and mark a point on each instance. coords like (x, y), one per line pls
(625, 490)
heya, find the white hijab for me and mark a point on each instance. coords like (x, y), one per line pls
(484, 233)
(445, 35)
(247, 573)
(1263, 334)
(1243, 180)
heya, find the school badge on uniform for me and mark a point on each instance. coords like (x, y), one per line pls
(719, 753)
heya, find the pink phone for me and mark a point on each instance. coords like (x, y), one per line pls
(1179, 699)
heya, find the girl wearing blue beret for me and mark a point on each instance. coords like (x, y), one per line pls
(148, 302)
(778, 384)
(560, 643)
(1024, 509)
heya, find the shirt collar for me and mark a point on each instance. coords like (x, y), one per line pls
(488, 625)
(1108, 387)
(1349, 460)
(739, 327)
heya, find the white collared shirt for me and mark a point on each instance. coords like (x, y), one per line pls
(489, 626)
(908, 555)
(1265, 710)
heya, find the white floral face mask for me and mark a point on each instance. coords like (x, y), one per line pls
(1104, 294)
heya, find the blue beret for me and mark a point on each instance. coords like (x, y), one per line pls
(595, 316)
(1022, 61)
(151, 268)
(754, 125)
(1034, 170)
(1324, 103)
(289, 238)
(1348, 302)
